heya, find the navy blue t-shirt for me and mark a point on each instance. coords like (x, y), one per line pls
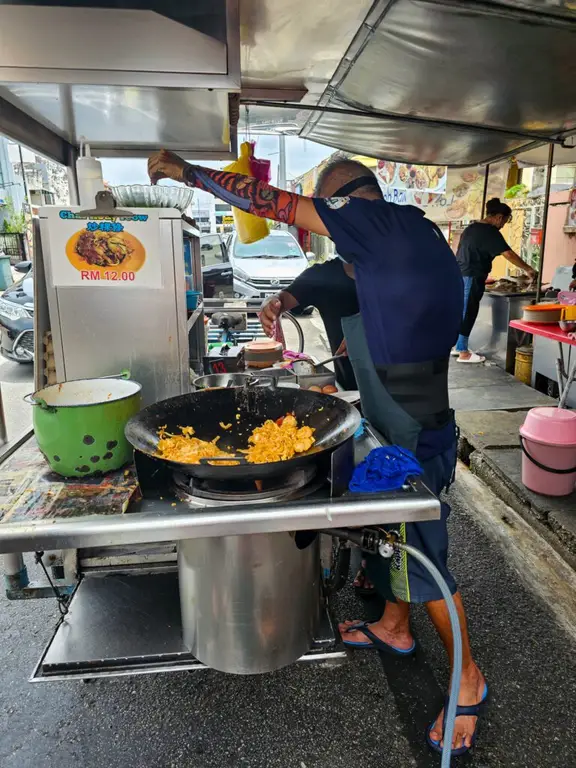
(408, 282)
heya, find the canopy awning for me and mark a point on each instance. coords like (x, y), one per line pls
(445, 82)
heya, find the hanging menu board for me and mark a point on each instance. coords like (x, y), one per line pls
(105, 250)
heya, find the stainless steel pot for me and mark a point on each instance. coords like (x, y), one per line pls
(224, 380)
(250, 604)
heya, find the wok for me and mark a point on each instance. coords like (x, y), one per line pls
(334, 422)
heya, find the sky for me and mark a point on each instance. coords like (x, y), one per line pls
(301, 155)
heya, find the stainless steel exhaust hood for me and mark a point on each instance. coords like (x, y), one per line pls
(127, 80)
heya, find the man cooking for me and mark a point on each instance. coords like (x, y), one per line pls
(331, 289)
(410, 296)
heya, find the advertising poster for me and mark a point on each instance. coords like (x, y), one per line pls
(105, 250)
(398, 180)
(453, 194)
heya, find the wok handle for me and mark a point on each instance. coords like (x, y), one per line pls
(219, 459)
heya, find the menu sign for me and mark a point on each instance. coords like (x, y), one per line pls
(399, 179)
(445, 194)
(105, 250)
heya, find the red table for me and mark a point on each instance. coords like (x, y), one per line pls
(553, 332)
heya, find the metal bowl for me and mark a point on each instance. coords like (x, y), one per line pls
(226, 380)
(148, 196)
(568, 325)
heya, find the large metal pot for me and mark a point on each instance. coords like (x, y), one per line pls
(250, 604)
(79, 425)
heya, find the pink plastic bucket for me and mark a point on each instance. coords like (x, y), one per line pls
(548, 439)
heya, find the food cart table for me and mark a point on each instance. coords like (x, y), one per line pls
(566, 371)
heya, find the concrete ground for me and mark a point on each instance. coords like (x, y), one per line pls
(16, 381)
(490, 407)
(371, 712)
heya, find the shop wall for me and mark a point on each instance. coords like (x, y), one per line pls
(560, 247)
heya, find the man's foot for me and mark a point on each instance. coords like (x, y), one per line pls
(399, 639)
(470, 357)
(362, 583)
(472, 691)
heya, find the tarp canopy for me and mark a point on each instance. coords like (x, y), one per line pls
(441, 82)
(449, 82)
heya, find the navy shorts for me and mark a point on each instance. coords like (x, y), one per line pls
(402, 577)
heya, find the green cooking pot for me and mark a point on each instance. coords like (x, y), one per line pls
(79, 425)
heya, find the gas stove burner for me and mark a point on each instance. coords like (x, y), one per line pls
(296, 484)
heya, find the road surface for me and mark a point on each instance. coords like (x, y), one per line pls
(16, 381)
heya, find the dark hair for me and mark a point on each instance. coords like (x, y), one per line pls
(495, 207)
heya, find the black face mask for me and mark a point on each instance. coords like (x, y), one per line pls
(352, 186)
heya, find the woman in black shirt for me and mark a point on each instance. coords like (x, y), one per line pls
(481, 242)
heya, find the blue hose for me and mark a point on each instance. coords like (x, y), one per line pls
(450, 713)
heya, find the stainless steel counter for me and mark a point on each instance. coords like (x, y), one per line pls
(158, 521)
(491, 335)
(165, 519)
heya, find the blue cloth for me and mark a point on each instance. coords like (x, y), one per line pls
(384, 469)
(408, 282)
(462, 343)
(361, 429)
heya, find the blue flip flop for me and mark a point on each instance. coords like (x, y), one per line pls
(475, 710)
(376, 643)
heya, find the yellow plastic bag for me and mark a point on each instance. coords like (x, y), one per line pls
(250, 228)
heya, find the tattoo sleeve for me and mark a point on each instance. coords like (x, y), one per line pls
(244, 192)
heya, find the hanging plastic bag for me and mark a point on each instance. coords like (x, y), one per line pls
(250, 228)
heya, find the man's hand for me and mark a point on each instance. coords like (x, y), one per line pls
(269, 314)
(342, 349)
(166, 165)
(572, 286)
(531, 272)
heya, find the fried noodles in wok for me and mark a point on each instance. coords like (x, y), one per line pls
(274, 441)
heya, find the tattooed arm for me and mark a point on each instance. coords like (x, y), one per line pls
(242, 192)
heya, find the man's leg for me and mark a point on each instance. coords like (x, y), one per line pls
(472, 685)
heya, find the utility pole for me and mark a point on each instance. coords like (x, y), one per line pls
(282, 161)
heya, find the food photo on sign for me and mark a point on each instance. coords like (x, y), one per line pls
(444, 194)
(105, 251)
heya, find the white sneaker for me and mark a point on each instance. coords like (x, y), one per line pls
(454, 352)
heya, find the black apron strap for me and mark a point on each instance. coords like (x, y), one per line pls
(421, 389)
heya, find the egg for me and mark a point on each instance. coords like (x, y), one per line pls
(329, 389)
(314, 389)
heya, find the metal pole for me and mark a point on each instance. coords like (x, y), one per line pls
(15, 572)
(282, 161)
(26, 189)
(485, 191)
(545, 219)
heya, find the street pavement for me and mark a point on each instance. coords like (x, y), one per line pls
(16, 381)
(372, 712)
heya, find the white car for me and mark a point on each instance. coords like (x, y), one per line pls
(267, 266)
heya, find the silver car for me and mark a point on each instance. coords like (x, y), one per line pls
(267, 266)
